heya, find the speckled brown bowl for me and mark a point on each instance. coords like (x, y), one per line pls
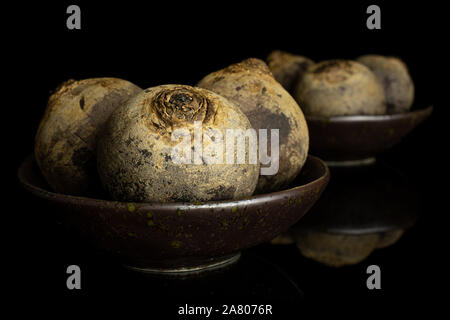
(182, 237)
(356, 138)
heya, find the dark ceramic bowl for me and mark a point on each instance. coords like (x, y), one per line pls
(181, 237)
(353, 138)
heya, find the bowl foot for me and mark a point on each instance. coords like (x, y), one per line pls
(214, 264)
(352, 163)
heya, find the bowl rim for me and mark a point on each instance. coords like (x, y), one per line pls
(72, 198)
(371, 118)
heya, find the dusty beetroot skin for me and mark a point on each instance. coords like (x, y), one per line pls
(288, 68)
(395, 79)
(135, 150)
(338, 88)
(251, 86)
(66, 140)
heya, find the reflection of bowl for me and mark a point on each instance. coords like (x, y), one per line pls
(365, 200)
(348, 138)
(182, 237)
(362, 209)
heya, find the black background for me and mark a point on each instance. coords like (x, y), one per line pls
(153, 43)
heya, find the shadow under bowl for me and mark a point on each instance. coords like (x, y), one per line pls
(178, 238)
(355, 138)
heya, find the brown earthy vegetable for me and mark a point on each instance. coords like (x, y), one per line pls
(338, 88)
(395, 79)
(288, 68)
(251, 86)
(136, 159)
(66, 139)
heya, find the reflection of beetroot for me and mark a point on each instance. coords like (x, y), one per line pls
(362, 209)
(394, 76)
(288, 68)
(251, 86)
(338, 250)
(338, 88)
(66, 139)
(134, 156)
